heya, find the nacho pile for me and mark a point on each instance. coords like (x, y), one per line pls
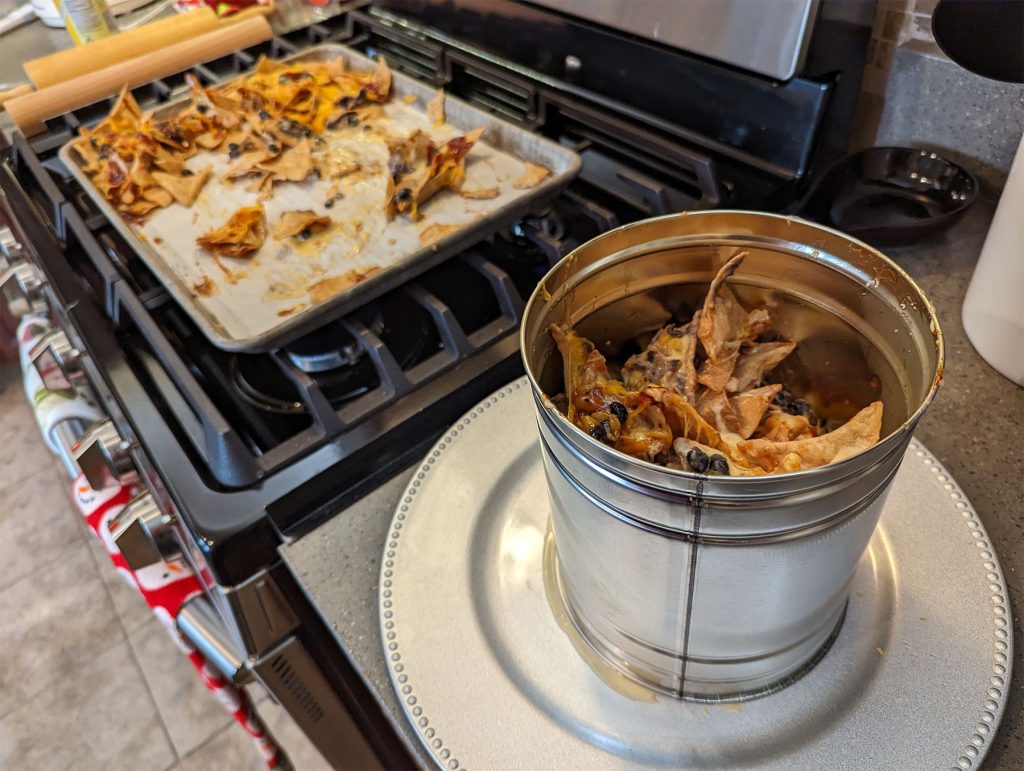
(697, 399)
(268, 124)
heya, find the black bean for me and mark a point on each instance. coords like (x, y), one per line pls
(292, 128)
(348, 118)
(233, 150)
(264, 115)
(698, 460)
(790, 404)
(187, 173)
(367, 127)
(305, 234)
(600, 431)
(404, 194)
(273, 148)
(619, 411)
(718, 465)
(329, 203)
(203, 108)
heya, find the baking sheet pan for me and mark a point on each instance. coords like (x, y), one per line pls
(270, 304)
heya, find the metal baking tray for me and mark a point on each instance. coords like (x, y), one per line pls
(267, 307)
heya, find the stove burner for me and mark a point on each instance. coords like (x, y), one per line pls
(332, 346)
(335, 359)
(268, 392)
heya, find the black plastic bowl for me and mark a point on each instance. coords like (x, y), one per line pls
(891, 196)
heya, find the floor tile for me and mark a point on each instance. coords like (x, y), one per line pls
(37, 524)
(190, 712)
(303, 754)
(25, 453)
(55, 622)
(230, 750)
(101, 718)
(131, 608)
(233, 750)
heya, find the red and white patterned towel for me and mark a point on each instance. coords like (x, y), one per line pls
(166, 586)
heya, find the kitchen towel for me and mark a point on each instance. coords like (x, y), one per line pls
(166, 586)
(51, 407)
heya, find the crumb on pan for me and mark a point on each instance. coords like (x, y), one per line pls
(435, 231)
(533, 176)
(204, 287)
(481, 193)
(326, 288)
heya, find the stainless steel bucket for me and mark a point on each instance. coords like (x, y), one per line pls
(720, 587)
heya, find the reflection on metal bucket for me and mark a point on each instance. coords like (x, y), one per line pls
(719, 588)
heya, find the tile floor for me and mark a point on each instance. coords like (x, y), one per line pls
(88, 678)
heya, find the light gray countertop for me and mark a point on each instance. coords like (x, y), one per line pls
(972, 427)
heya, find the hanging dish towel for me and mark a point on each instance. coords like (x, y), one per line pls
(51, 407)
(166, 586)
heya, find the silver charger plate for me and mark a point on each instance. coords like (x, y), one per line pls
(490, 678)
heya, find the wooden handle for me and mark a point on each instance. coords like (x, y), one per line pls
(29, 111)
(5, 96)
(81, 60)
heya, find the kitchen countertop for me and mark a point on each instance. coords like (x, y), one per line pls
(967, 427)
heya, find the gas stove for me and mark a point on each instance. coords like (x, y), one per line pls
(244, 452)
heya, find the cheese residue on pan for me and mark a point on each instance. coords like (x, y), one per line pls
(326, 288)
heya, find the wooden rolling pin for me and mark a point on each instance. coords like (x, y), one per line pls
(29, 111)
(81, 60)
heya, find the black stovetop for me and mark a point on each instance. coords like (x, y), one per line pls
(256, 448)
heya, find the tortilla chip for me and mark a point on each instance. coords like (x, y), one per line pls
(749, 408)
(722, 316)
(779, 426)
(445, 169)
(90, 156)
(159, 196)
(645, 434)
(266, 66)
(714, 373)
(243, 233)
(757, 323)
(533, 176)
(858, 434)
(789, 463)
(292, 223)
(292, 165)
(124, 115)
(667, 361)
(184, 189)
(210, 140)
(335, 164)
(717, 410)
(684, 420)
(381, 81)
(435, 109)
(755, 361)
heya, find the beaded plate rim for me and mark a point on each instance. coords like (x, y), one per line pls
(993, 701)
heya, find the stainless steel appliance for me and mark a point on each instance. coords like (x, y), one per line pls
(769, 37)
(244, 453)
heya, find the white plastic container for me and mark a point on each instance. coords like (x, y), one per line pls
(993, 311)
